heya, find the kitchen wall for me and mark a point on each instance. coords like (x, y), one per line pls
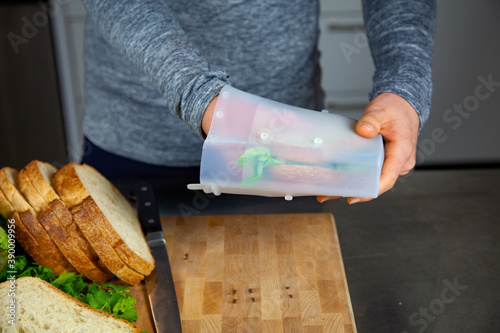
(465, 113)
(31, 120)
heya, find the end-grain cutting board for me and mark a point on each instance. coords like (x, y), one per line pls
(257, 273)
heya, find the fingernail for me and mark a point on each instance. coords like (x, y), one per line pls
(353, 201)
(368, 127)
(323, 199)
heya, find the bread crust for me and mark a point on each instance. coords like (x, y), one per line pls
(69, 248)
(35, 249)
(86, 223)
(35, 175)
(33, 282)
(68, 186)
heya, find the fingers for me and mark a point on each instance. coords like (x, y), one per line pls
(322, 199)
(395, 165)
(369, 125)
(396, 120)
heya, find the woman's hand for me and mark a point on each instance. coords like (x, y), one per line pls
(398, 123)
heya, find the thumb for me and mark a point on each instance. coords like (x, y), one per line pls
(369, 125)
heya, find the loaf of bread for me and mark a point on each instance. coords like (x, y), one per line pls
(40, 307)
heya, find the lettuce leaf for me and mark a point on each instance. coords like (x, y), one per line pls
(106, 297)
(4, 245)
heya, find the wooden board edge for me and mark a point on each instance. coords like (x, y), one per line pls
(351, 311)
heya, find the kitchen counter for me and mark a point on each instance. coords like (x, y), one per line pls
(422, 258)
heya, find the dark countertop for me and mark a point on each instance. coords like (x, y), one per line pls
(424, 257)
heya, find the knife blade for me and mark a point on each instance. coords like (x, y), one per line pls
(160, 283)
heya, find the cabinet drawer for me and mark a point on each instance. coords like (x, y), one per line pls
(345, 55)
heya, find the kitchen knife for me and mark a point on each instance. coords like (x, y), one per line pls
(160, 283)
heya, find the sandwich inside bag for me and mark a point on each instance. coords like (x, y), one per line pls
(257, 146)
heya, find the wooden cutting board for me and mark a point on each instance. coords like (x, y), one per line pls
(256, 273)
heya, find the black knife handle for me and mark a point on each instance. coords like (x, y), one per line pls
(143, 195)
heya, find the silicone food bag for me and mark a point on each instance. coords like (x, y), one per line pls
(257, 146)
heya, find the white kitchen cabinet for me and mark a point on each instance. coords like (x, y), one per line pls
(347, 66)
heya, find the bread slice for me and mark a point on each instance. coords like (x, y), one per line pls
(41, 307)
(66, 219)
(9, 187)
(114, 216)
(40, 175)
(43, 252)
(69, 248)
(30, 193)
(103, 249)
(6, 208)
(47, 253)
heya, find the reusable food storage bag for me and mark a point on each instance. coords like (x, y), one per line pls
(257, 146)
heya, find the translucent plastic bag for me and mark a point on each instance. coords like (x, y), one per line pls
(261, 147)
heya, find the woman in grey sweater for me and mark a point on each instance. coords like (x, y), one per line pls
(154, 69)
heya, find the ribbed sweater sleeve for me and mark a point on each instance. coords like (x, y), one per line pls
(148, 35)
(401, 38)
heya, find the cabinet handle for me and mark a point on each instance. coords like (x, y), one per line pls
(344, 27)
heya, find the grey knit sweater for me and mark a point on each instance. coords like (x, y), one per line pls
(153, 66)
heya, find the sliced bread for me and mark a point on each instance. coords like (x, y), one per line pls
(108, 255)
(40, 175)
(40, 252)
(65, 217)
(48, 254)
(30, 193)
(10, 188)
(40, 307)
(70, 249)
(113, 214)
(6, 208)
